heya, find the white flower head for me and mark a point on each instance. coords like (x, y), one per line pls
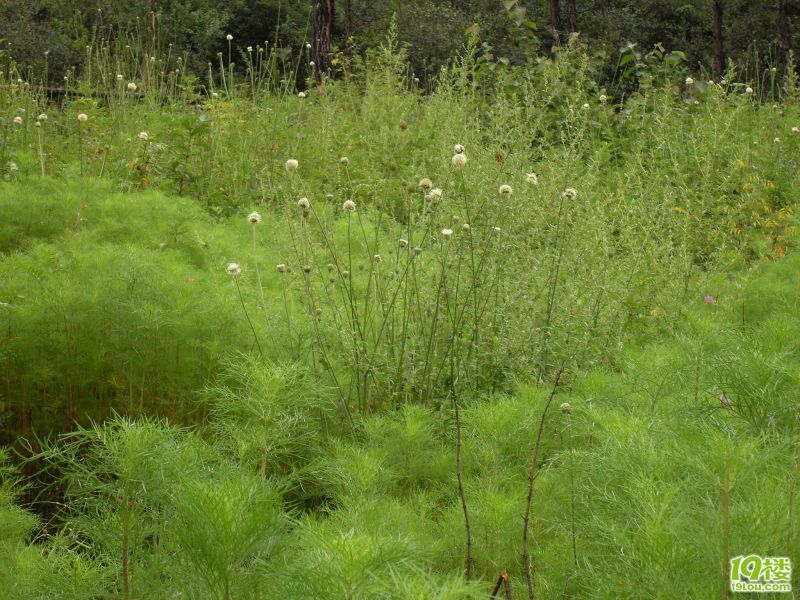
(304, 203)
(249, 48)
(403, 243)
(458, 149)
(435, 193)
(311, 64)
(344, 160)
(532, 179)
(710, 82)
(603, 98)
(566, 408)
(425, 183)
(281, 268)
(254, 218)
(83, 118)
(505, 190)
(459, 160)
(301, 94)
(12, 166)
(291, 165)
(777, 140)
(229, 37)
(570, 193)
(748, 90)
(447, 233)
(308, 45)
(795, 129)
(120, 77)
(233, 269)
(466, 228)
(496, 229)
(144, 136)
(42, 117)
(131, 86)
(349, 206)
(18, 120)
(585, 106)
(214, 95)
(689, 81)
(376, 258)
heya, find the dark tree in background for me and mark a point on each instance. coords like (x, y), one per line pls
(719, 49)
(554, 8)
(322, 31)
(572, 16)
(783, 31)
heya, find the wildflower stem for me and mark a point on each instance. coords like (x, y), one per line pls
(526, 560)
(244, 308)
(727, 487)
(459, 472)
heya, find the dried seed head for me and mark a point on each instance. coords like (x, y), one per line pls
(505, 190)
(254, 218)
(459, 160)
(304, 203)
(425, 183)
(458, 149)
(566, 408)
(465, 228)
(306, 269)
(417, 250)
(281, 268)
(447, 233)
(349, 206)
(403, 243)
(233, 269)
(291, 165)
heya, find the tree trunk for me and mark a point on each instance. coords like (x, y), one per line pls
(719, 49)
(572, 16)
(348, 22)
(555, 19)
(783, 31)
(323, 37)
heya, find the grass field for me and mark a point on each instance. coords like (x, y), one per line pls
(373, 341)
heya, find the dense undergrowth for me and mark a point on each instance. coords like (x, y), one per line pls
(257, 345)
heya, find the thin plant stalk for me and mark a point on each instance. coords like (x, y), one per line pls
(526, 559)
(246, 314)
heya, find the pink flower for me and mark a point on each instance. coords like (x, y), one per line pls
(709, 299)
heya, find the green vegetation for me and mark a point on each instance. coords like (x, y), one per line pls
(362, 342)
